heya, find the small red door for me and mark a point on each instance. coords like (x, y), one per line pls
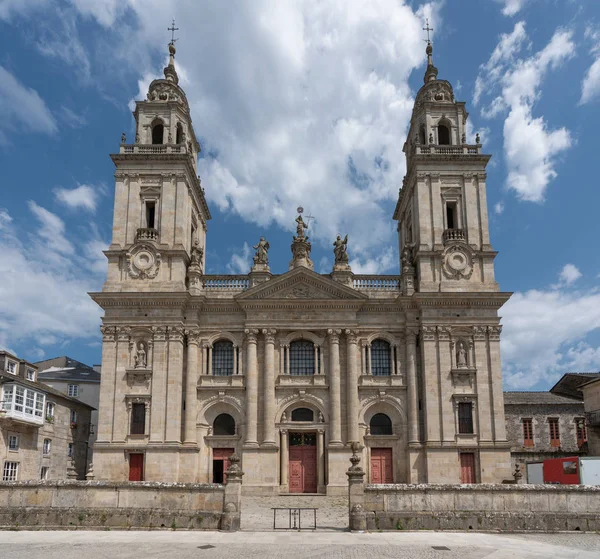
(467, 467)
(221, 464)
(303, 469)
(381, 465)
(136, 467)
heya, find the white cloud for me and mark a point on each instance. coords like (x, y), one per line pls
(45, 280)
(22, 108)
(240, 263)
(530, 148)
(498, 207)
(71, 118)
(544, 332)
(590, 86)
(382, 262)
(569, 274)
(512, 7)
(84, 196)
(10, 8)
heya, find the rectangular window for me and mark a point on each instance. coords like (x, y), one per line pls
(554, 431)
(10, 471)
(451, 216)
(13, 442)
(19, 398)
(70, 450)
(465, 418)
(527, 432)
(44, 472)
(29, 402)
(581, 431)
(50, 412)
(73, 390)
(47, 445)
(73, 418)
(150, 214)
(11, 367)
(7, 397)
(138, 419)
(31, 375)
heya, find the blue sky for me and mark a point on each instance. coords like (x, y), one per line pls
(303, 103)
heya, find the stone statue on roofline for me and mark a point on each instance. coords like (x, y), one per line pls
(301, 227)
(196, 257)
(262, 252)
(340, 250)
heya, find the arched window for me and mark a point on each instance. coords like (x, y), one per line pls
(157, 133)
(381, 363)
(222, 358)
(302, 358)
(443, 135)
(380, 424)
(224, 425)
(179, 135)
(303, 414)
(422, 134)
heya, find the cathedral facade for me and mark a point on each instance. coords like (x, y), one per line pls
(287, 370)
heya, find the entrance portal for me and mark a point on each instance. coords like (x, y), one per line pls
(303, 463)
(136, 467)
(221, 464)
(381, 465)
(467, 467)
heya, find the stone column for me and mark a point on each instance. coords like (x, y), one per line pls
(209, 350)
(411, 374)
(335, 437)
(251, 388)
(284, 458)
(269, 388)
(320, 460)
(191, 397)
(352, 385)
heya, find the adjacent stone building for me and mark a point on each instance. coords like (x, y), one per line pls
(77, 380)
(288, 368)
(43, 433)
(542, 425)
(591, 401)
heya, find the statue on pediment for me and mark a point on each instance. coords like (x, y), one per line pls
(262, 252)
(340, 250)
(301, 227)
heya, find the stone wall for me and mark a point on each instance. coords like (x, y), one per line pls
(101, 505)
(481, 507)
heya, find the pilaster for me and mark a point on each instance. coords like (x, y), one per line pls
(352, 385)
(335, 436)
(251, 387)
(191, 397)
(269, 388)
(174, 385)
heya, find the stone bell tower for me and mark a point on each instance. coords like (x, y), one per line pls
(160, 212)
(442, 208)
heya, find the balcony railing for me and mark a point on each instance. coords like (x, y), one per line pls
(380, 283)
(153, 149)
(226, 283)
(453, 235)
(147, 234)
(436, 149)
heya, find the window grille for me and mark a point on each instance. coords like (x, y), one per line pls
(302, 358)
(554, 431)
(380, 424)
(465, 418)
(381, 364)
(138, 419)
(527, 432)
(222, 359)
(9, 473)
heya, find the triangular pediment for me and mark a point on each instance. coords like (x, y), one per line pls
(301, 283)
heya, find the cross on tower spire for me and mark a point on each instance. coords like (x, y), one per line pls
(426, 28)
(172, 29)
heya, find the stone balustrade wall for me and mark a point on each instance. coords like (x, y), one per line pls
(545, 508)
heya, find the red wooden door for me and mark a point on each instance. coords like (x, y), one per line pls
(303, 469)
(136, 467)
(222, 455)
(381, 465)
(467, 467)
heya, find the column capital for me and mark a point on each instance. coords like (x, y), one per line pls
(428, 333)
(334, 335)
(108, 333)
(269, 334)
(321, 431)
(443, 333)
(251, 334)
(160, 333)
(283, 431)
(479, 333)
(351, 336)
(494, 333)
(411, 335)
(193, 337)
(176, 333)
(123, 333)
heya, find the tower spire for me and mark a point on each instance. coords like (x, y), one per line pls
(169, 71)
(431, 72)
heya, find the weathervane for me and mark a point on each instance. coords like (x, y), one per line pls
(172, 29)
(428, 29)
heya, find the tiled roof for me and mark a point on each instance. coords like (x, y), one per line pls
(66, 368)
(569, 384)
(539, 398)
